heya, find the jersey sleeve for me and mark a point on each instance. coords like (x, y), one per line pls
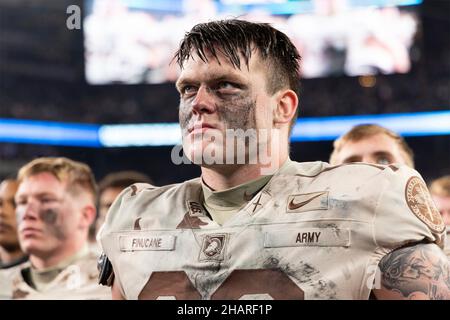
(405, 212)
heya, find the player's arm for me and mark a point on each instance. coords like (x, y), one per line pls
(418, 272)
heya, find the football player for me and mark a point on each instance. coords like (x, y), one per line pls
(371, 143)
(110, 187)
(11, 256)
(256, 224)
(55, 205)
(440, 192)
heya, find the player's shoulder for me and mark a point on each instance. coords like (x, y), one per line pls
(140, 197)
(147, 190)
(138, 192)
(356, 169)
(18, 282)
(15, 274)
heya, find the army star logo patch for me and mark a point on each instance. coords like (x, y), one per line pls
(419, 201)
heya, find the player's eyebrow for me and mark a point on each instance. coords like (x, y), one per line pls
(37, 195)
(190, 80)
(383, 153)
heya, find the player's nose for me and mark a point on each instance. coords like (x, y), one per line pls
(204, 101)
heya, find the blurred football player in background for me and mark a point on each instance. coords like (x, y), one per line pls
(11, 256)
(440, 191)
(55, 205)
(371, 143)
(111, 186)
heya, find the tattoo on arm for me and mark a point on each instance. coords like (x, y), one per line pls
(420, 271)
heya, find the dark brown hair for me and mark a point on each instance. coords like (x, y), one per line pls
(238, 38)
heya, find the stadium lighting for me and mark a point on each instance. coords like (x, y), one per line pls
(167, 134)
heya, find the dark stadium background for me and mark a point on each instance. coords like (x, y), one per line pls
(42, 78)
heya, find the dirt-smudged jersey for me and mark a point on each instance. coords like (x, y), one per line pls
(313, 232)
(78, 281)
(6, 276)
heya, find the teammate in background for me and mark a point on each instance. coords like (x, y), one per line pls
(111, 186)
(55, 204)
(11, 256)
(256, 224)
(440, 191)
(371, 143)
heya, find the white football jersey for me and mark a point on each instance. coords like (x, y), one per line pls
(313, 232)
(6, 276)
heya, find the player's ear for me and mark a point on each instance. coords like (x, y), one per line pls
(88, 214)
(287, 102)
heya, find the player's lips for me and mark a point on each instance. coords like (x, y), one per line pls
(200, 127)
(30, 231)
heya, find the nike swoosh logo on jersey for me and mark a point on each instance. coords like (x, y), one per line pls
(294, 206)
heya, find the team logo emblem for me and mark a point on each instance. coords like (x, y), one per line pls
(419, 201)
(213, 247)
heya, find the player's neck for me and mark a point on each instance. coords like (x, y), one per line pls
(224, 177)
(54, 258)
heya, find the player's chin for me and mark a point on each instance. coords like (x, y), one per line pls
(33, 246)
(42, 252)
(205, 153)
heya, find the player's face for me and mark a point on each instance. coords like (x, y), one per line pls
(377, 149)
(8, 225)
(216, 99)
(47, 214)
(443, 205)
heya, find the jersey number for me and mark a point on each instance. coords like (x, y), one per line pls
(241, 284)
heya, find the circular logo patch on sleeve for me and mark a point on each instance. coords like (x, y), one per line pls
(419, 201)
